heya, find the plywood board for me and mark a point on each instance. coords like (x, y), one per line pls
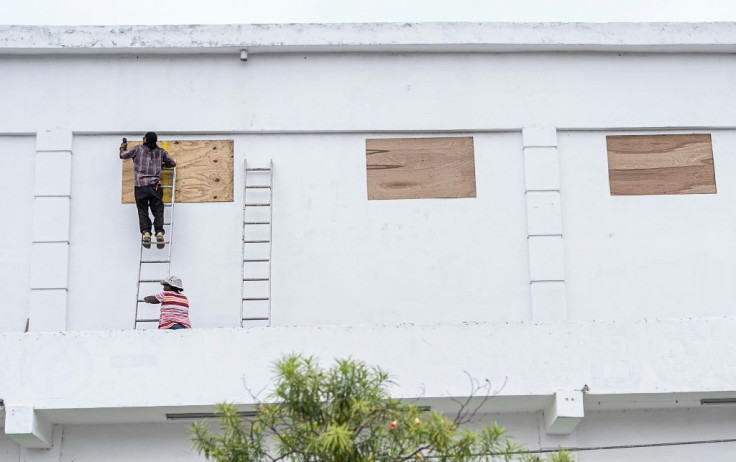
(660, 164)
(204, 171)
(419, 168)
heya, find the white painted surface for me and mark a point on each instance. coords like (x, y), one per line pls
(27, 428)
(565, 412)
(367, 92)
(646, 256)
(53, 173)
(51, 219)
(417, 37)
(338, 258)
(16, 207)
(425, 288)
(544, 213)
(47, 310)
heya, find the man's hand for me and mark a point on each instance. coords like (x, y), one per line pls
(151, 299)
(124, 145)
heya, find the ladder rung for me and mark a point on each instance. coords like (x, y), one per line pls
(254, 279)
(255, 319)
(167, 224)
(254, 299)
(256, 222)
(155, 242)
(168, 204)
(165, 187)
(255, 260)
(146, 320)
(168, 168)
(258, 204)
(256, 241)
(155, 261)
(150, 280)
(258, 186)
(258, 169)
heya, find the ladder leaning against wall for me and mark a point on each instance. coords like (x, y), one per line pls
(153, 261)
(255, 309)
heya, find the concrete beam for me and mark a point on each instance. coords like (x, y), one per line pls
(565, 413)
(371, 37)
(26, 428)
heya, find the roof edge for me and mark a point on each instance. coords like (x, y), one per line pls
(719, 37)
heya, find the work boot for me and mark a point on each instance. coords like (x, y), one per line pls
(159, 240)
(146, 240)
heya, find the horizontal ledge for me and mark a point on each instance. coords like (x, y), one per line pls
(225, 132)
(65, 289)
(427, 37)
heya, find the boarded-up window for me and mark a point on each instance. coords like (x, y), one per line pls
(418, 168)
(204, 171)
(660, 164)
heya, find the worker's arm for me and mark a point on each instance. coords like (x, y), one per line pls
(151, 299)
(124, 153)
(167, 159)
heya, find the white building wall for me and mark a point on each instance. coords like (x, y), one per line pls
(305, 92)
(16, 209)
(634, 257)
(426, 288)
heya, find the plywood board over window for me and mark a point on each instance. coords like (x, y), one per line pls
(420, 168)
(660, 164)
(204, 171)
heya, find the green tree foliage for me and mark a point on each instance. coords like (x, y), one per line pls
(345, 414)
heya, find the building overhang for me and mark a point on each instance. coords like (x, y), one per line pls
(371, 38)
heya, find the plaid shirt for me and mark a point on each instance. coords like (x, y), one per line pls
(147, 163)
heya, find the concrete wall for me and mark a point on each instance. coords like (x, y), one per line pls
(153, 442)
(288, 92)
(427, 288)
(630, 257)
(16, 208)
(402, 261)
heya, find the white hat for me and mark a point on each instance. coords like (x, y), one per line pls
(173, 281)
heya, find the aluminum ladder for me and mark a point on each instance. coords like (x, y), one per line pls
(255, 308)
(155, 257)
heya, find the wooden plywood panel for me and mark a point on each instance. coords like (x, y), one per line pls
(660, 164)
(204, 171)
(417, 168)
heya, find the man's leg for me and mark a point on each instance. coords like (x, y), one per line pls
(141, 202)
(157, 207)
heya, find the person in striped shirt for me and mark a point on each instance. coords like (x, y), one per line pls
(174, 305)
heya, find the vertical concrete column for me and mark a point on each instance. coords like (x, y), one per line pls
(50, 248)
(544, 224)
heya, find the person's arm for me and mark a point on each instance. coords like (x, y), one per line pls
(124, 153)
(155, 299)
(167, 159)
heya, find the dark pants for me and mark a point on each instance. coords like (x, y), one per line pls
(177, 326)
(150, 196)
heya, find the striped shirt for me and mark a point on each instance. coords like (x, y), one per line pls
(147, 163)
(174, 309)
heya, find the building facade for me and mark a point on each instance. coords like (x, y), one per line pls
(585, 270)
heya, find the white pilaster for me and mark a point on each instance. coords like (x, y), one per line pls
(51, 218)
(544, 224)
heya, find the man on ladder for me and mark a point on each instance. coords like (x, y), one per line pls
(147, 161)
